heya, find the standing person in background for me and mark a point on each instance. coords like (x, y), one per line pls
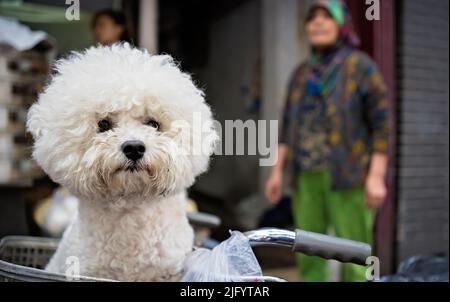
(334, 139)
(110, 27)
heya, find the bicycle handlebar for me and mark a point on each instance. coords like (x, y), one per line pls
(312, 244)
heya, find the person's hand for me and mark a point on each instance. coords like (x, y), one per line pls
(274, 187)
(376, 191)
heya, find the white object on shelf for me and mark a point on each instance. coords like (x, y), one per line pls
(6, 144)
(5, 170)
(18, 35)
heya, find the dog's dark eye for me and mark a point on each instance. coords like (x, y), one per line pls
(153, 124)
(104, 125)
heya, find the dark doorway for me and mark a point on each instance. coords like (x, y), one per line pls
(378, 40)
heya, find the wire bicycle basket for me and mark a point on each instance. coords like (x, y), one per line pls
(24, 258)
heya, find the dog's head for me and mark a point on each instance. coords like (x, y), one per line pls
(118, 122)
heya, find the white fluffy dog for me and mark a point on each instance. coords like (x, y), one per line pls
(116, 126)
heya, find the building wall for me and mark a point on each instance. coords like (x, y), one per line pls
(423, 198)
(284, 46)
(269, 31)
(234, 48)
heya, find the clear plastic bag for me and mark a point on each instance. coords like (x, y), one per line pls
(231, 261)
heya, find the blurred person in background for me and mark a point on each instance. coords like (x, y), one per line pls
(334, 139)
(110, 27)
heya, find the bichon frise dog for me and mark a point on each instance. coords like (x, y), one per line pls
(116, 127)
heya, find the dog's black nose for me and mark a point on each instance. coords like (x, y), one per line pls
(133, 150)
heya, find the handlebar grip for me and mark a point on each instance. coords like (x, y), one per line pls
(203, 219)
(329, 247)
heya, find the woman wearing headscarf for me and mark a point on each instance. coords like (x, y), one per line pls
(334, 138)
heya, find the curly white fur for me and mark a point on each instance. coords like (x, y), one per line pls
(130, 225)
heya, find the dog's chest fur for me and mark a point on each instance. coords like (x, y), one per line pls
(143, 243)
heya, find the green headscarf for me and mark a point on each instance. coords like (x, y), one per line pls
(340, 13)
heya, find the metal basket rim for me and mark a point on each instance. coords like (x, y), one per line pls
(35, 273)
(41, 275)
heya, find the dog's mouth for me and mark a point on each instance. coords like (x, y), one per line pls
(131, 167)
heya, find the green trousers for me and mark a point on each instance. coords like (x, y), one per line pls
(317, 208)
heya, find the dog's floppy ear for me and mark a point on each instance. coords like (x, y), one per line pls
(35, 122)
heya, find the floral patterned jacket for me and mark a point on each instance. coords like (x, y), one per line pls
(356, 111)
